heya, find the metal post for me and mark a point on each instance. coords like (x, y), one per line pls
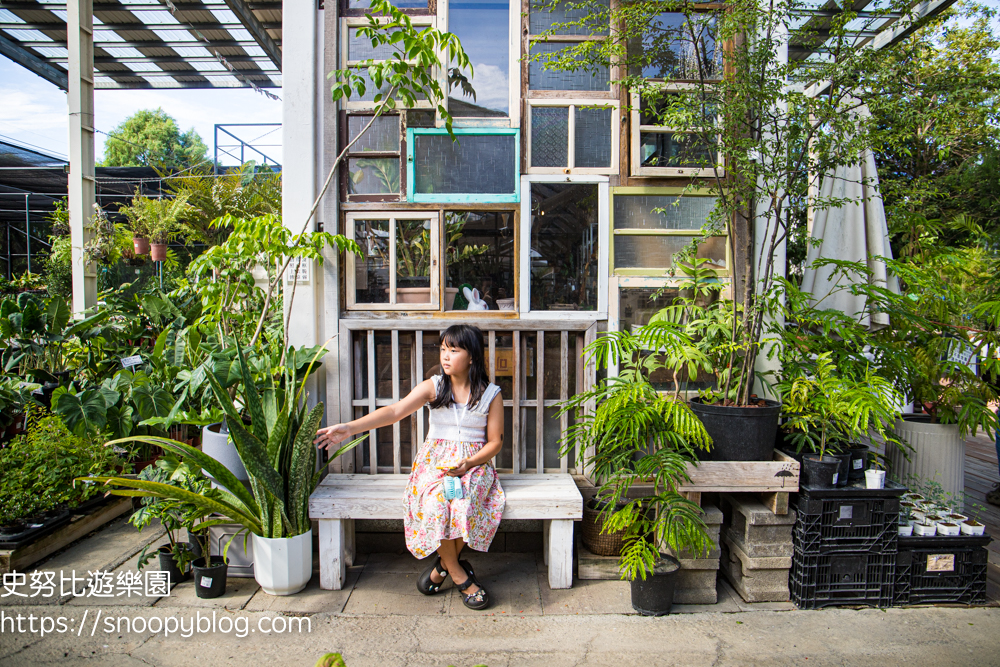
(215, 139)
(27, 226)
(82, 194)
(9, 273)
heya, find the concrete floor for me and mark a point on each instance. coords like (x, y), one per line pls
(380, 619)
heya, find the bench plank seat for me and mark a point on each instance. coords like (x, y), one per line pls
(340, 499)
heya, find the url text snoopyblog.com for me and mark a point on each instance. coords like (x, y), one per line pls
(183, 626)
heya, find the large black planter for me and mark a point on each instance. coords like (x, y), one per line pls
(210, 581)
(654, 595)
(740, 433)
(818, 473)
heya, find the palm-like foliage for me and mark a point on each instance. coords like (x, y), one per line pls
(826, 407)
(277, 450)
(636, 436)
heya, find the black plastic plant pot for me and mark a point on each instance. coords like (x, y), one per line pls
(859, 461)
(169, 564)
(210, 581)
(818, 473)
(740, 433)
(844, 471)
(654, 595)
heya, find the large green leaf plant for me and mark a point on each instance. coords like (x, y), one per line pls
(276, 448)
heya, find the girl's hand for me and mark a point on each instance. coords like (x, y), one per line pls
(460, 469)
(331, 436)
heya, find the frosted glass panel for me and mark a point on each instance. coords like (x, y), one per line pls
(670, 149)
(373, 176)
(564, 240)
(675, 46)
(593, 137)
(657, 252)
(542, 79)
(360, 47)
(382, 136)
(372, 269)
(549, 130)
(636, 212)
(475, 164)
(544, 15)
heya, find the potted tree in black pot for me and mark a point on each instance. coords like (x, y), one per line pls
(638, 443)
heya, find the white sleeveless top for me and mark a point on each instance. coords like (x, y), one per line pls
(459, 422)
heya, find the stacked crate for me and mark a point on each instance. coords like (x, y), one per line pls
(845, 546)
(934, 570)
(756, 549)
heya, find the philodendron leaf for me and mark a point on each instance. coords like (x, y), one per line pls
(82, 412)
(58, 314)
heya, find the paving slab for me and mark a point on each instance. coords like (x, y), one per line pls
(131, 565)
(512, 582)
(586, 597)
(239, 590)
(392, 593)
(312, 600)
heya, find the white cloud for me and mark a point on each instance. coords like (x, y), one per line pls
(490, 83)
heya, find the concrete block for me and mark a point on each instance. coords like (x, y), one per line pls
(713, 520)
(755, 585)
(756, 528)
(755, 549)
(754, 512)
(759, 562)
(697, 586)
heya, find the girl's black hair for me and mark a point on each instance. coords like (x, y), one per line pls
(470, 339)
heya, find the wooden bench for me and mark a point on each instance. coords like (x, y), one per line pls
(340, 499)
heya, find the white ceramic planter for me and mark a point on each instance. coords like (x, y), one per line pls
(973, 530)
(875, 479)
(905, 529)
(283, 565)
(938, 454)
(948, 529)
(925, 529)
(221, 448)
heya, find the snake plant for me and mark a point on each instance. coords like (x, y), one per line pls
(276, 448)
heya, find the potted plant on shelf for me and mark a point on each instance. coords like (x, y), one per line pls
(278, 452)
(639, 443)
(159, 218)
(827, 407)
(134, 212)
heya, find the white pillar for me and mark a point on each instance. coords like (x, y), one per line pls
(299, 165)
(82, 186)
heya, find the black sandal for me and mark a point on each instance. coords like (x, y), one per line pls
(478, 600)
(426, 585)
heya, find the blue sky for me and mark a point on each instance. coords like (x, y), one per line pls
(34, 111)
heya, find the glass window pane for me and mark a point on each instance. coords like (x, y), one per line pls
(540, 78)
(670, 149)
(398, 4)
(373, 176)
(360, 47)
(661, 212)
(544, 14)
(549, 136)
(480, 256)
(672, 47)
(475, 164)
(657, 252)
(382, 136)
(413, 261)
(593, 137)
(371, 90)
(564, 241)
(483, 28)
(653, 111)
(371, 276)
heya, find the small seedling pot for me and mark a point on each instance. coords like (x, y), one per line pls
(859, 461)
(158, 252)
(169, 564)
(140, 245)
(955, 517)
(840, 478)
(905, 529)
(925, 529)
(875, 479)
(913, 497)
(972, 527)
(933, 518)
(948, 529)
(819, 473)
(210, 580)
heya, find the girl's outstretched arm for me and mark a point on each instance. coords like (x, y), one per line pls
(331, 436)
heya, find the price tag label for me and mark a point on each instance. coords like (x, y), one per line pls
(134, 360)
(206, 582)
(940, 562)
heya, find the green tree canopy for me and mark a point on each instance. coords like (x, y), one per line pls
(150, 138)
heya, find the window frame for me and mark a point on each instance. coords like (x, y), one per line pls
(347, 11)
(434, 216)
(571, 104)
(462, 198)
(566, 40)
(636, 130)
(659, 272)
(348, 22)
(344, 133)
(603, 250)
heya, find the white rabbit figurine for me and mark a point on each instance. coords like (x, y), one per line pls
(475, 303)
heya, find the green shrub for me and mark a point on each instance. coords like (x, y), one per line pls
(39, 468)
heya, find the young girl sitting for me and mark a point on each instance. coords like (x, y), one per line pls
(466, 432)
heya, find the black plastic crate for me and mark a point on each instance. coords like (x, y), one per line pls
(843, 520)
(941, 570)
(842, 579)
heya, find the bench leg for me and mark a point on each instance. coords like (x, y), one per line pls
(350, 551)
(559, 550)
(332, 563)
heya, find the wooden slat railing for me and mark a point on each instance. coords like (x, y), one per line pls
(370, 370)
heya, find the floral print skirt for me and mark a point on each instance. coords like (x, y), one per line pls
(430, 518)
